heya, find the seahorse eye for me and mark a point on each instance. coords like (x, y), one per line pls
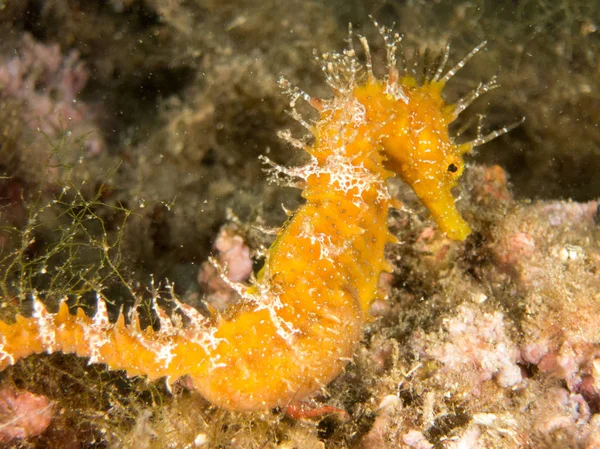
(452, 168)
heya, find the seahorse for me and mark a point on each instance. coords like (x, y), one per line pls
(299, 322)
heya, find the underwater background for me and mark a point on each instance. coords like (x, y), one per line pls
(130, 136)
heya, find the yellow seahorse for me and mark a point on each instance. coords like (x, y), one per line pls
(299, 323)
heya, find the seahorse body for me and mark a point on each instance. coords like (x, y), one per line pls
(301, 320)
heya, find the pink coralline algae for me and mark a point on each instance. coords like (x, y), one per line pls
(541, 238)
(475, 347)
(468, 440)
(546, 250)
(23, 414)
(564, 416)
(233, 254)
(47, 83)
(515, 248)
(548, 256)
(416, 440)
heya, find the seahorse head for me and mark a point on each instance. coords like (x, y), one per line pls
(421, 151)
(415, 140)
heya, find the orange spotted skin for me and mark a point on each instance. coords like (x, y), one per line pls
(418, 146)
(323, 268)
(300, 321)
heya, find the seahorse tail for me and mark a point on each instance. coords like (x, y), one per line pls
(139, 352)
(270, 368)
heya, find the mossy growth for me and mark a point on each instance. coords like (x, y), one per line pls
(67, 244)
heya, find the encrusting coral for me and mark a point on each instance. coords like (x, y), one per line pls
(48, 84)
(301, 319)
(23, 414)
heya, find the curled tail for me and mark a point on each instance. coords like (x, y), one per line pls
(248, 362)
